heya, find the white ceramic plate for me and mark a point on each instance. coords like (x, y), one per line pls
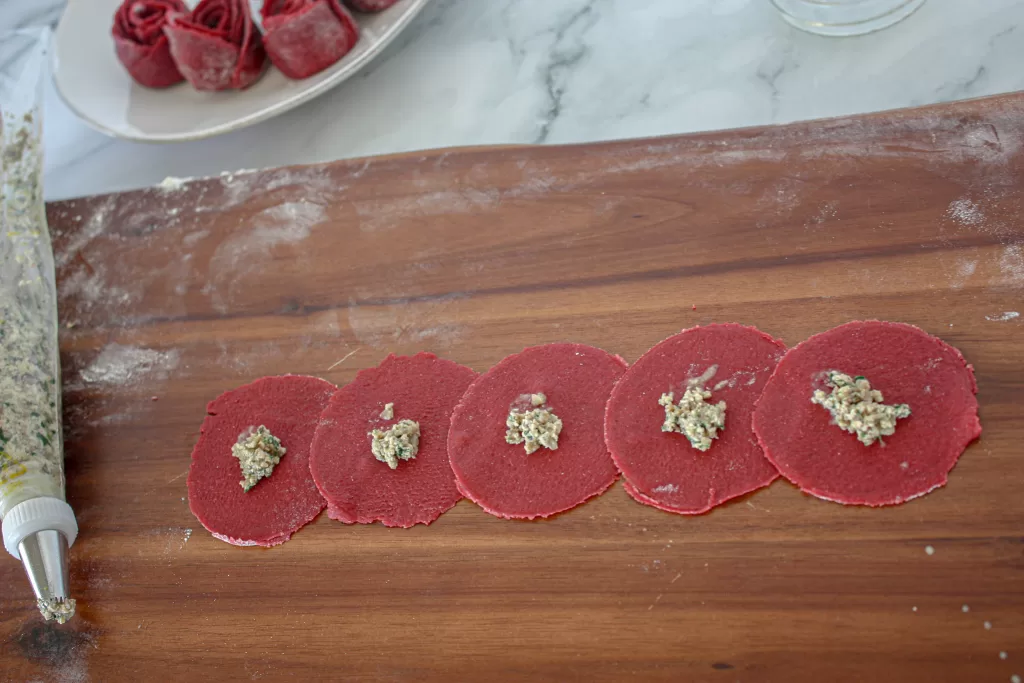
(96, 87)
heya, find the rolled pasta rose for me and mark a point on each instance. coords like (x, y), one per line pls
(304, 37)
(140, 43)
(217, 46)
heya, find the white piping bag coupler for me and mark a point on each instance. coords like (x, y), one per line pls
(38, 525)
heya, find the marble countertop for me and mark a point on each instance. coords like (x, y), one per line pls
(534, 71)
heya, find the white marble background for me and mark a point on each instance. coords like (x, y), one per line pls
(472, 72)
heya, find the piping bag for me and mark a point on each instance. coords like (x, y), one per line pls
(38, 525)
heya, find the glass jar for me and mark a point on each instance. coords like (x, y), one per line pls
(845, 17)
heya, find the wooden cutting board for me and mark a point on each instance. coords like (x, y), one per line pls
(171, 296)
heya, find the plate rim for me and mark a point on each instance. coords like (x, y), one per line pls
(414, 9)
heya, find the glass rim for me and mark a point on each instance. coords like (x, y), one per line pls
(834, 3)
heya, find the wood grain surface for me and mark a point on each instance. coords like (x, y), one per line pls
(169, 297)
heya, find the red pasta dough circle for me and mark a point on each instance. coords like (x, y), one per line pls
(361, 489)
(278, 505)
(502, 478)
(661, 468)
(908, 366)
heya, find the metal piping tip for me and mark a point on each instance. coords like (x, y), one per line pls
(45, 557)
